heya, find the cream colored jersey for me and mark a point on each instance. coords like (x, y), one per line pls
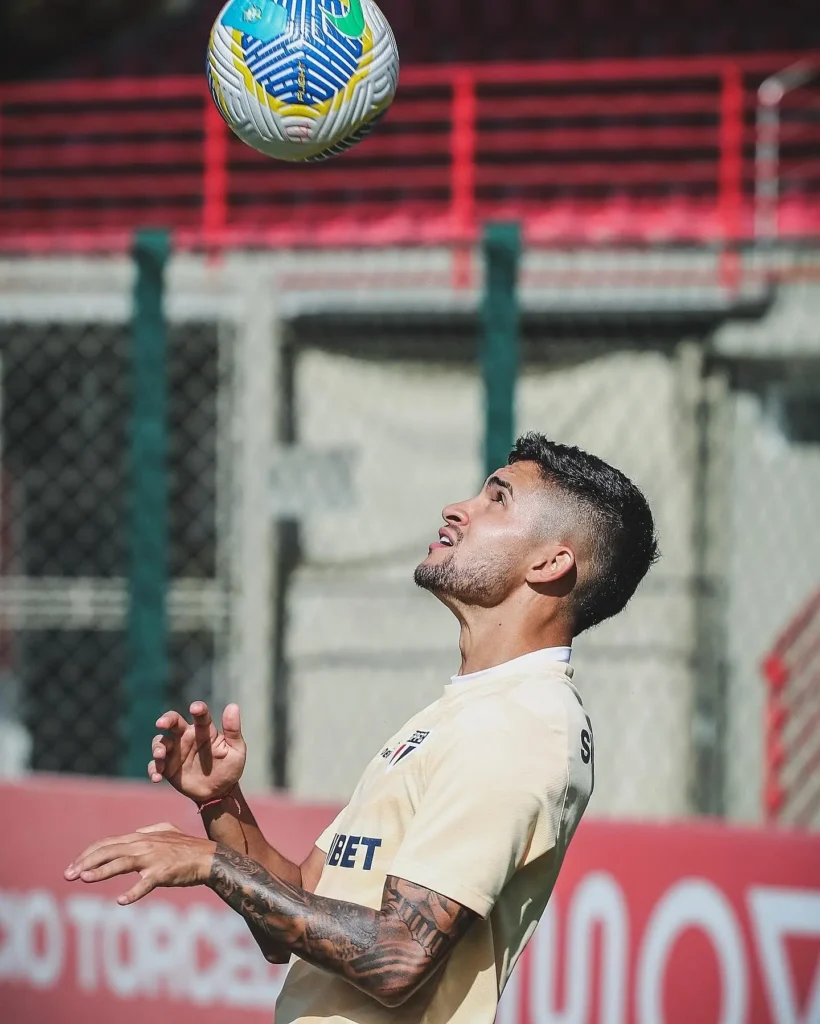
(477, 798)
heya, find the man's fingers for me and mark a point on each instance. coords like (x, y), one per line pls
(201, 714)
(205, 734)
(158, 751)
(136, 892)
(162, 747)
(173, 722)
(118, 866)
(232, 724)
(73, 869)
(163, 826)
(99, 854)
(161, 744)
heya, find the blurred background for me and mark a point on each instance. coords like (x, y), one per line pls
(235, 395)
(322, 391)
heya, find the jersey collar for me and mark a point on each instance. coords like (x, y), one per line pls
(534, 662)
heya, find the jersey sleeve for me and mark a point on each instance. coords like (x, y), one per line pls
(326, 838)
(492, 801)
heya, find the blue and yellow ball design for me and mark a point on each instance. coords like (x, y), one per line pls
(302, 79)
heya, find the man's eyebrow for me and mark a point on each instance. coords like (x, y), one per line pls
(500, 483)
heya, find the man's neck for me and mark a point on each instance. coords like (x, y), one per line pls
(487, 640)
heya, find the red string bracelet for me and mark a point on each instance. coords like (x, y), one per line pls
(211, 803)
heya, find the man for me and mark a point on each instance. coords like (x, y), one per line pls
(417, 901)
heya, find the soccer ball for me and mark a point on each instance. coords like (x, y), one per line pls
(302, 79)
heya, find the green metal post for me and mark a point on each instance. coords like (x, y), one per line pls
(499, 342)
(147, 659)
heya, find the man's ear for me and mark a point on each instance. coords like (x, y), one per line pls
(554, 563)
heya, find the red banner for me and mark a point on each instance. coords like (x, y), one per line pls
(651, 924)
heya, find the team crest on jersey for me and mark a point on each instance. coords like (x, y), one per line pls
(395, 754)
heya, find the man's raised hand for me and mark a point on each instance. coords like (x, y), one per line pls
(198, 761)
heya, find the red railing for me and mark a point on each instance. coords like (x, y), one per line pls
(792, 674)
(656, 150)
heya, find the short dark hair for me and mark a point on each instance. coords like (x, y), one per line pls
(619, 520)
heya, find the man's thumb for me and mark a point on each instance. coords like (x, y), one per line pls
(231, 723)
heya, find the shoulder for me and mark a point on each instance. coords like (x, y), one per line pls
(423, 719)
(503, 728)
(532, 705)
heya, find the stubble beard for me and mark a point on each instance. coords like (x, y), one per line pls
(484, 584)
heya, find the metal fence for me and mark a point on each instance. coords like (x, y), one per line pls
(322, 407)
(66, 404)
(682, 150)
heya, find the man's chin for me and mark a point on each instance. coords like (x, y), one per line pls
(433, 559)
(430, 574)
(453, 585)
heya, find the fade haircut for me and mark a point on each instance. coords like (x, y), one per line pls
(614, 514)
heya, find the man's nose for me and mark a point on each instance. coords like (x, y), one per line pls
(455, 515)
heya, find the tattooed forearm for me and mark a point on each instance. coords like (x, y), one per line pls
(387, 953)
(426, 915)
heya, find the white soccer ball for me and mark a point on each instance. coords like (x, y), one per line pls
(302, 79)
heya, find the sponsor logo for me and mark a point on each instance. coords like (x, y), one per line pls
(352, 851)
(589, 951)
(634, 969)
(85, 946)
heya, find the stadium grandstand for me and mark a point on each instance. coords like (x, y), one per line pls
(658, 139)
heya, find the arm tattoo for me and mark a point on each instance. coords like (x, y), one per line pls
(387, 953)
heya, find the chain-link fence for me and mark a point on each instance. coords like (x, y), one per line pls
(66, 407)
(322, 409)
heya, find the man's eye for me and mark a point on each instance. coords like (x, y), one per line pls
(499, 497)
